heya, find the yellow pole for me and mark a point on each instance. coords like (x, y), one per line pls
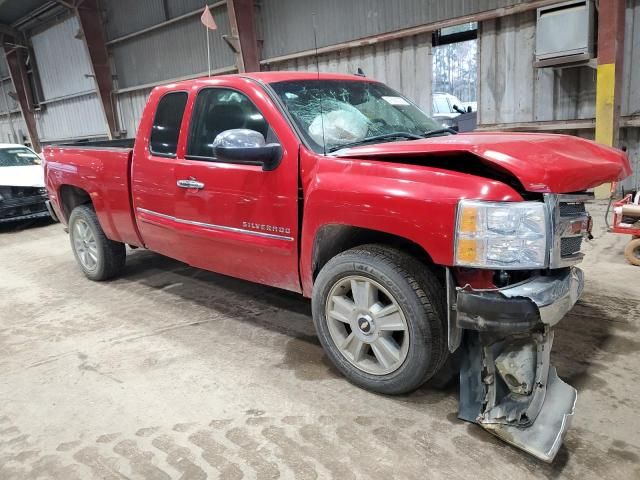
(609, 76)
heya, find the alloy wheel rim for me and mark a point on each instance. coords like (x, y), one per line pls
(84, 242)
(367, 325)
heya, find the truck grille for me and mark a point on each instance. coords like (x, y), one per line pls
(572, 208)
(569, 224)
(570, 246)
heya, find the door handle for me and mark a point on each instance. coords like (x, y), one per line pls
(190, 183)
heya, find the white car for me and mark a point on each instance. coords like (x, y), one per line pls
(23, 194)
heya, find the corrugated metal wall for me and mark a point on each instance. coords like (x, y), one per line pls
(71, 108)
(12, 130)
(171, 51)
(513, 90)
(404, 65)
(631, 92)
(287, 25)
(130, 107)
(11, 125)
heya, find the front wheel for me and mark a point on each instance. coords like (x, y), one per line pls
(99, 257)
(380, 316)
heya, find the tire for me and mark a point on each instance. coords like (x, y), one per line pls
(632, 252)
(99, 258)
(402, 282)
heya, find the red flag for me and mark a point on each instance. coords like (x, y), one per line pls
(207, 19)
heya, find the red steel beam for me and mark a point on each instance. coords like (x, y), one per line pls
(90, 20)
(16, 60)
(243, 27)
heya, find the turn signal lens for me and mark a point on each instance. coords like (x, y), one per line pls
(467, 251)
(468, 219)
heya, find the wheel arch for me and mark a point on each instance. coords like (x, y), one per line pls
(333, 239)
(71, 197)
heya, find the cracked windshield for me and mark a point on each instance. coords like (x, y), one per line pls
(335, 114)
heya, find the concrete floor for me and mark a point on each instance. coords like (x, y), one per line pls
(173, 372)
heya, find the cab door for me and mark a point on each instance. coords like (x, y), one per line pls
(153, 172)
(235, 218)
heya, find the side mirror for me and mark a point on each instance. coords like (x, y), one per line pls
(469, 109)
(247, 146)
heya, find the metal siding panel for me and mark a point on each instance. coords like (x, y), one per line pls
(630, 104)
(7, 132)
(6, 101)
(130, 106)
(124, 16)
(177, 50)
(513, 90)
(62, 60)
(403, 65)
(180, 7)
(287, 25)
(71, 118)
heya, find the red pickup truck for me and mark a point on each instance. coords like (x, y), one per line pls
(412, 241)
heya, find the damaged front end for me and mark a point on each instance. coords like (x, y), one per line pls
(507, 383)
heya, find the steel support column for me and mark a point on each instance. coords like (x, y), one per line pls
(91, 25)
(16, 60)
(243, 39)
(609, 77)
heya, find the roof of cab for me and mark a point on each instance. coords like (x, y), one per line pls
(266, 77)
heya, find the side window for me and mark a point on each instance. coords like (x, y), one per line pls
(217, 110)
(166, 124)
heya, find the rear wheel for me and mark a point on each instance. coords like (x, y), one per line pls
(632, 252)
(98, 257)
(379, 314)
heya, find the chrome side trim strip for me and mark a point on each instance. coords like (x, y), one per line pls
(214, 227)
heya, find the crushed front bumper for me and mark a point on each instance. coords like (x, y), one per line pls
(507, 384)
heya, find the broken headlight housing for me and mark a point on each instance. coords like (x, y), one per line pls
(501, 235)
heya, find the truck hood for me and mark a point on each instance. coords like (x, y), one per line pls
(546, 163)
(27, 176)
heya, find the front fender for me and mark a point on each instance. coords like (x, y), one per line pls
(413, 202)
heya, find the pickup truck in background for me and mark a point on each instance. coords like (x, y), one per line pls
(413, 242)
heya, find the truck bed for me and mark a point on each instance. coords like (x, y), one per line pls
(102, 171)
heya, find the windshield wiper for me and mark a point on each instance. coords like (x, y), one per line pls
(377, 138)
(439, 131)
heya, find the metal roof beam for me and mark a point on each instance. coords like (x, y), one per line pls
(16, 60)
(243, 39)
(92, 29)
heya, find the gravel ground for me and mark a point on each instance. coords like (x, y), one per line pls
(174, 372)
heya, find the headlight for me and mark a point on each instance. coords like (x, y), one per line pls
(501, 235)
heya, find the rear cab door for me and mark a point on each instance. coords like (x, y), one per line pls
(242, 221)
(153, 172)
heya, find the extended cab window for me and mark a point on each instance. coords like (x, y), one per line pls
(217, 110)
(166, 124)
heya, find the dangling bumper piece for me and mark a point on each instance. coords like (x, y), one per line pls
(507, 384)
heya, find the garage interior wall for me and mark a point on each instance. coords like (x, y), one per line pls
(513, 90)
(287, 25)
(155, 41)
(70, 108)
(403, 64)
(12, 127)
